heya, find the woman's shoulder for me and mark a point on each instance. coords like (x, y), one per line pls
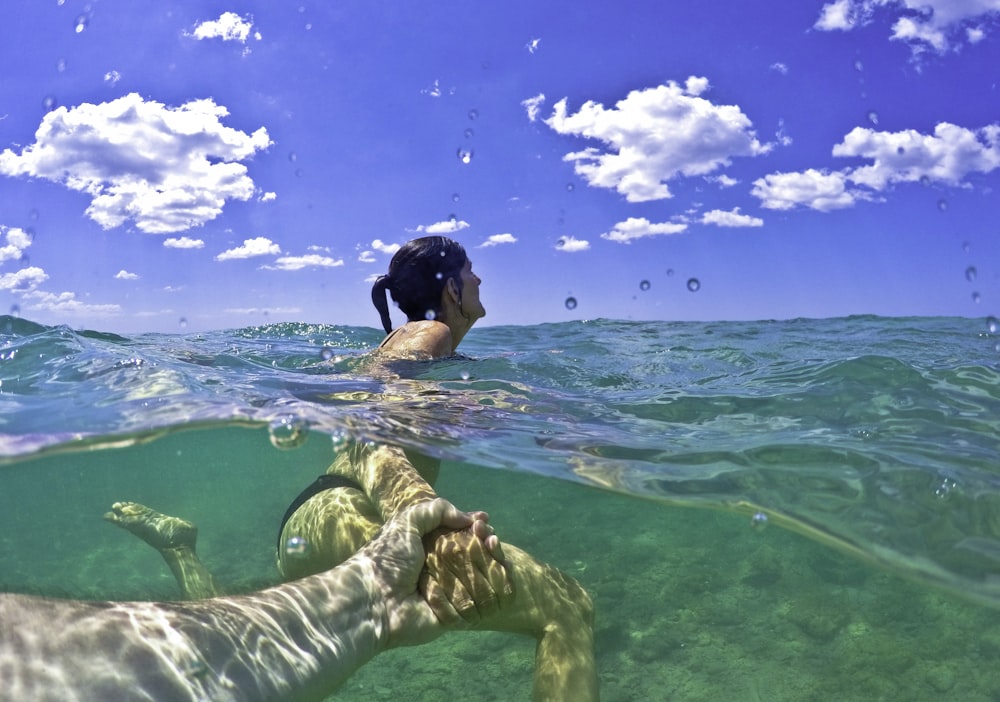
(421, 340)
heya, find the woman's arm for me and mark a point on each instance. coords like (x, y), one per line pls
(295, 641)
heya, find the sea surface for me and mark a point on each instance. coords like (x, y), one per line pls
(775, 510)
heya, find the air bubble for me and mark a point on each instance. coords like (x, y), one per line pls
(571, 303)
(430, 315)
(326, 353)
(758, 521)
(455, 197)
(288, 432)
(469, 133)
(976, 298)
(296, 547)
(465, 155)
(292, 156)
(473, 114)
(858, 66)
(15, 310)
(439, 275)
(183, 322)
(644, 285)
(970, 273)
(464, 375)
(670, 272)
(992, 325)
(942, 204)
(570, 187)
(925, 180)
(693, 284)
(82, 22)
(873, 117)
(49, 103)
(61, 65)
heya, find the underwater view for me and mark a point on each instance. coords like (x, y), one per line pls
(761, 511)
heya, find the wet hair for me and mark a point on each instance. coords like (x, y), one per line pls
(418, 273)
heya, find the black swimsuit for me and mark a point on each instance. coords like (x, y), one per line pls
(323, 482)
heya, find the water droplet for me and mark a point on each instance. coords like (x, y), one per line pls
(900, 150)
(670, 272)
(970, 273)
(465, 155)
(571, 303)
(694, 285)
(49, 103)
(15, 310)
(455, 197)
(453, 218)
(925, 180)
(183, 322)
(439, 275)
(644, 285)
(976, 298)
(992, 325)
(966, 247)
(873, 116)
(430, 314)
(464, 375)
(296, 547)
(288, 432)
(292, 156)
(473, 114)
(469, 133)
(326, 353)
(942, 204)
(82, 22)
(570, 187)
(858, 66)
(61, 65)
(758, 521)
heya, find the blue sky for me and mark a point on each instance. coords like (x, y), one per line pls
(178, 166)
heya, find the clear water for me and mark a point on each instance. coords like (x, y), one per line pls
(762, 511)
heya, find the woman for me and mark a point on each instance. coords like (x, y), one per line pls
(432, 282)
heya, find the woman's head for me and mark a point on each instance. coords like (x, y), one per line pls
(418, 274)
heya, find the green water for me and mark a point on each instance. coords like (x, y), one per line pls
(691, 604)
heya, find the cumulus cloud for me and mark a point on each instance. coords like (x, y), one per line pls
(655, 135)
(639, 227)
(183, 242)
(366, 256)
(940, 25)
(571, 244)
(948, 156)
(449, 226)
(125, 275)
(17, 241)
(297, 263)
(67, 303)
(24, 280)
(260, 246)
(166, 169)
(497, 240)
(229, 27)
(381, 246)
(734, 218)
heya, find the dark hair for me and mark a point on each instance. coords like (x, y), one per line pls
(418, 273)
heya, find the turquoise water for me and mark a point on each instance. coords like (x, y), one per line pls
(761, 511)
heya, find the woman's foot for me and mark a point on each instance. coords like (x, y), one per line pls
(158, 530)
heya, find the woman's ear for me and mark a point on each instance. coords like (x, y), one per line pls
(452, 287)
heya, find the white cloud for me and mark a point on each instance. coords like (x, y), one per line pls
(260, 246)
(734, 218)
(67, 303)
(268, 197)
(532, 45)
(819, 190)
(723, 180)
(571, 244)
(639, 227)
(297, 263)
(166, 169)
(449, 226)
(24, 280)
(229, 27)
(381, 246)
(17, 241)
(125, 275)
(941, 25)
(497, 239)
(948, 156)
(780, 67)
(837, 15)
(183, 242)
(533, 106)
(655, 135)
(366, 256)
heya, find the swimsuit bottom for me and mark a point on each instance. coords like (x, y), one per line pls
(323, 482)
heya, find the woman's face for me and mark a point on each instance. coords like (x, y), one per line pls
(471, 307)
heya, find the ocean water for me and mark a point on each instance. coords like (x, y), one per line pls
(794, 510)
